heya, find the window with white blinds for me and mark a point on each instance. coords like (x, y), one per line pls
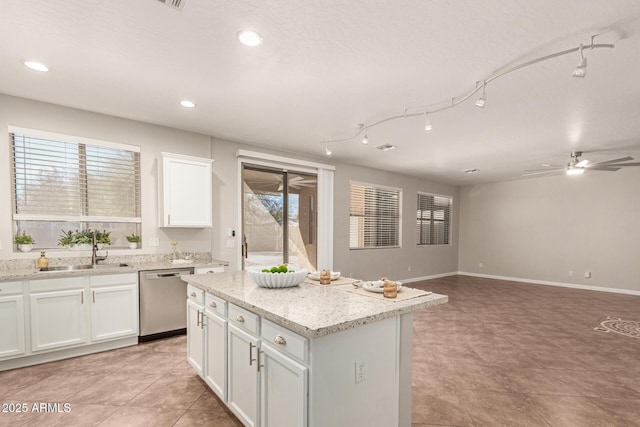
(374, 216)
(62, 182)
(433, 219)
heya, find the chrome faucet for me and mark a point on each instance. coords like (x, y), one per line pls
(94, 256)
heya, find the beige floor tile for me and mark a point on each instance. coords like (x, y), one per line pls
(194, 417)
(172, 392)
(142, 417)
(114, 389)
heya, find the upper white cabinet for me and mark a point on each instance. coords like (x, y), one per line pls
(185, 191)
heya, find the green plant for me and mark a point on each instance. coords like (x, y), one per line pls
(72, 238)
(134, 238)
(23, 239)
(102, 237)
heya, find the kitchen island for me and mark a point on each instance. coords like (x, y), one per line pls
(309, 355)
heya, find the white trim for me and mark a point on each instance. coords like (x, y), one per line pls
(183, 157)
(77, 218)
(433, 276)
(71, 138)
(550, 283)
(256, 155)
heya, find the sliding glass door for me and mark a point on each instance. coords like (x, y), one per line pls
(279, 217)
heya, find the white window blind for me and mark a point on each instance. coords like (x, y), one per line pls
(59, 179)
(433, 219)
(374, 216)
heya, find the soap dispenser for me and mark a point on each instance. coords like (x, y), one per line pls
(43, 261)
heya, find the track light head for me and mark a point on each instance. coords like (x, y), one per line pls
(581, 69)
(483, 99)
(327, 150)
(365, 139)
(427, 122)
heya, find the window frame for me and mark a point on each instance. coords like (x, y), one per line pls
(82, 174)
(420, 221)
(399, 217)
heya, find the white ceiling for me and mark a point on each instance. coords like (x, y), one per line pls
(327, 65)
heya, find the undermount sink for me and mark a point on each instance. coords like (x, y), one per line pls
(82, 267)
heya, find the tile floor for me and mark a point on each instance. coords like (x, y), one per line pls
(498, 354)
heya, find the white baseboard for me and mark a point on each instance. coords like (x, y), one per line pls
(434, 276)
(549, 283)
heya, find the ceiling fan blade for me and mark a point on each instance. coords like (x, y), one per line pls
(617, 165)
(541, 171)
(583, 164)
(604, 168)
(607, 162)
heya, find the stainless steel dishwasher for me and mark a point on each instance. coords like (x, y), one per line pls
(163, 303)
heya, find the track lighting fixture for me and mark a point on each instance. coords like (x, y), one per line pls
(483, 99)
(581, 69)
(427, 122)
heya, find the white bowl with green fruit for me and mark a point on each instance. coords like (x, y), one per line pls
(279, 276)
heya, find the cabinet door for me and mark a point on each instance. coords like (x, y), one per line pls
(215, 366)
(242, 369)
(114, 312)
(195, 337)
(283, 391)
(186, 191)
(57, 319)
(12, 321)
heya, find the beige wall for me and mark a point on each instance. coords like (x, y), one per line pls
(542, 228)
(152, 141)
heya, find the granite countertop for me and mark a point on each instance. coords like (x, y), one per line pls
(104, 268)
(309, 310)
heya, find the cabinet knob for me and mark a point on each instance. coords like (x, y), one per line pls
(193, 294)
(239, 318)
(210, 272)
(213, 304)
(280, 340)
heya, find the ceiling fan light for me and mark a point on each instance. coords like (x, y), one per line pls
(575, 171)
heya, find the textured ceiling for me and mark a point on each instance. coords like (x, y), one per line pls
(327, 65)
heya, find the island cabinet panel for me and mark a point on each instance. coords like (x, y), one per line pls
(243, 375)
(215, 366)
(12, 341)
(58, 319)
(283, 392)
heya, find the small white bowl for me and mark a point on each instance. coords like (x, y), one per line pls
(277, 280)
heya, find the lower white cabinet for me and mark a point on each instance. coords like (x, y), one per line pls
(243, 374)
(215, 372)
(12, 320)
(283, 389)
(114, 307)
(195, 336)
(57, 319)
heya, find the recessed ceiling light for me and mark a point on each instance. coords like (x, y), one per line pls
(187, 103)
(36, 66)
(249, 38)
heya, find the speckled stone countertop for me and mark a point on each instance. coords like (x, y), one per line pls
(309, 310)
(22, 272)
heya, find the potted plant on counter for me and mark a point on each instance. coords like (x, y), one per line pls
(102, 238)
(24, 241)
(133, 240)
(81, 240)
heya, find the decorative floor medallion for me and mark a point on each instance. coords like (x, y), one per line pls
(628, 328)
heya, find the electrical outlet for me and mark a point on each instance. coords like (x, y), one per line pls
(409, 268)
(480, 264)
(570, 273)
(587, 275)
(359, 371)
(154, 241)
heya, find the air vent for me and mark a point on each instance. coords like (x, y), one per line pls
(175, 4)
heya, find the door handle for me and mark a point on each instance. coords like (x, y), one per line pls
(251, 359)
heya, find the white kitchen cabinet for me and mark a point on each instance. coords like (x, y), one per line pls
(215, 365)
(195, 336)
(209, 270)
(114, 306)
(243, 375)
(57, 319)
(283, 391)
(12, 342)
(186, 184)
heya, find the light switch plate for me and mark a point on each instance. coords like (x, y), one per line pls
(154, 241)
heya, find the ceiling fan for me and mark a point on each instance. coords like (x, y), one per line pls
(577, 166)
(298, 181)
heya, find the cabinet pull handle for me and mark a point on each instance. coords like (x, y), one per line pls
(169, 219)
(213, 304)
(193, 294)
(239, 318)
(251, 359)
(198, 321)
(259, 365)
(82, 297)
(280, 340)
(210, 272)
(94, 297)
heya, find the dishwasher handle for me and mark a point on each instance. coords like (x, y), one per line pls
(160, 275)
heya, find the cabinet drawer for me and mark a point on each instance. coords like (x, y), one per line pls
(209, 270)
(9, 288)
(113, 279)
(60, 283)
(244, 318)
(215, 304)
(194, 294)
(285, 340)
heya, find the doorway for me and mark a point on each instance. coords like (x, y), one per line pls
(279, 217)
